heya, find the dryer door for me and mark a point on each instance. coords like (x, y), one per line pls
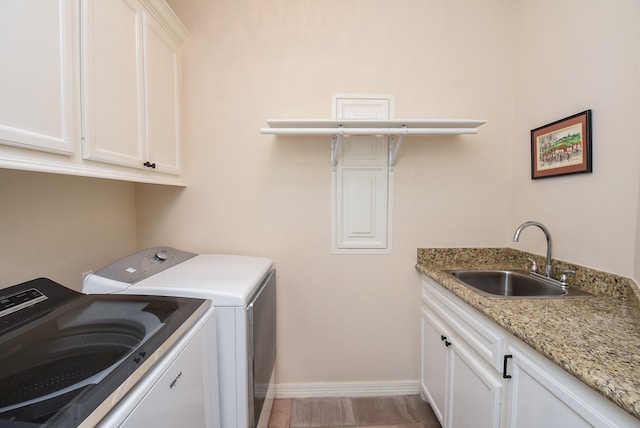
(262, 348)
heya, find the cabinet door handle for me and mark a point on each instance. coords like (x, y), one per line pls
(447, 343)
(149, 165)
(504, 366)
(443, 338)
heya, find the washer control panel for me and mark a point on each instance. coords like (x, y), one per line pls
(143, 264)
(22, 303)
(16, 301)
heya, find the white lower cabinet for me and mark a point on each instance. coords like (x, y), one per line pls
(476, 374)
(475, 392)
(542, 394)
(463, 390)
(433, 374)
(537, 400)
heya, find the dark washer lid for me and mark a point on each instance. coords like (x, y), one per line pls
(63, 352)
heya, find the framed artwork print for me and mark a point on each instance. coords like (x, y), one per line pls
(562, 147)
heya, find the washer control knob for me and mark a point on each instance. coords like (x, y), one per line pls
(162, 255)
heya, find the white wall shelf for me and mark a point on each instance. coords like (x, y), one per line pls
(397, 129)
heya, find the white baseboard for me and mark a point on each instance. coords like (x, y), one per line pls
(347, 389)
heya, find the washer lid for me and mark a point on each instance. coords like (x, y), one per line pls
(228, 280)
(80, 356)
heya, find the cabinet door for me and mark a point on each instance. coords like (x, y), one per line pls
(113, 82)
(475, 393)
(162, 75)
(541, 398)
(37, 102)
(433, 373)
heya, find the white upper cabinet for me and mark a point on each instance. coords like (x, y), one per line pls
(38, 95)
(90, 88)
(162, 76)
(112, 82)
(130, 78)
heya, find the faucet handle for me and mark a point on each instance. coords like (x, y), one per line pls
(534, 265)
(563, 277)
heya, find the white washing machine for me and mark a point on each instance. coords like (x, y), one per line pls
(243, 292)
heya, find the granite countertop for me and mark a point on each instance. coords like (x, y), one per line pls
(596, 339)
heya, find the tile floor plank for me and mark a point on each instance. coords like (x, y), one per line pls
(389, 410)
(380, 410)
(412, 425)
(321, 412)
(280, 414)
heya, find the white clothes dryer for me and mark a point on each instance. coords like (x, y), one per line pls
(243, 292)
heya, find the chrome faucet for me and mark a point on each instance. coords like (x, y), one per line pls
(516, 236)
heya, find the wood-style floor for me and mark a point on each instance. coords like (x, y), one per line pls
(362, 412)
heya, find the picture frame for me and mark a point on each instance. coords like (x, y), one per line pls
(562, 147)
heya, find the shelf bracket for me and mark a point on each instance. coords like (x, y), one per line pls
(394, 146)
(336, 143)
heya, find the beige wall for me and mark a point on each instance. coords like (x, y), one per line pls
(573, 55)
(58, 226)
(341, 317)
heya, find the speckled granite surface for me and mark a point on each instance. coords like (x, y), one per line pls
(596, 339)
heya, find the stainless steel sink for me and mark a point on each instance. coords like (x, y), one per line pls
(504, 284)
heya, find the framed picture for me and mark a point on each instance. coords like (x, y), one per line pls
(562, 147)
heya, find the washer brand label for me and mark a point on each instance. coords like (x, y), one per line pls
(174, 382)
